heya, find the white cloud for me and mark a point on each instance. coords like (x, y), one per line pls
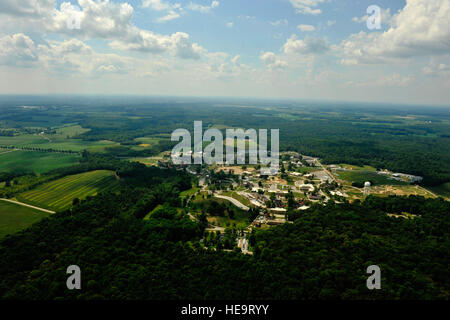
(74, 58)
(178, 44)
(331, 22)
(307, 6)
(202, 8)
(172, 10)
(229, 24)
(171, 15)
(307, 46)
(103, 19)
(279, 22)
(17, 50)
(306, 27)
(98, 19)
(158, 5)
(437, 69)
(421, 28)
(29, 8)
(272, 62)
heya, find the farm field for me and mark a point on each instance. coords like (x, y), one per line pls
(70, 131)
(38, 162)
(14, 218)
(59, 194)
(63, 139)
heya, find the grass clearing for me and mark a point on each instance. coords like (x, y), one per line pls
(238, 197)
(14, 218)
(353, 167)
(59, 194)
(361, 176)
(147, 217)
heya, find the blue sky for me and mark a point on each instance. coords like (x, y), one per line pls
(312, 49)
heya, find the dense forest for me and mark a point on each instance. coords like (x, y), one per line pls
(323, 254)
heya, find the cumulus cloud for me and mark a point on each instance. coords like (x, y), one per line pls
(306, 27)
(202, 8)
(178, 44)
(103, 19)
(69, 57)
(307, 6)
(74, 57)
(229, 24)
(29, 8)
(272, 62)
(421, 28)
(17, 50)
(309, 45)
(172, 10)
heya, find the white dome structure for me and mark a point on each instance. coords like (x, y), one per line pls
(367, 188)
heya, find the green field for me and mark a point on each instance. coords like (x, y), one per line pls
(70, 131)
(14, 218)
(362, 176)
(238, 197)
(38, 162)
(63, 139)
(59, 194)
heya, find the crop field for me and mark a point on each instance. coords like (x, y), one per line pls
(14, 218)
(59, 194)
(71, 131)
(38, 162)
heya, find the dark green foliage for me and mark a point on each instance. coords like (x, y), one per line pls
(323, 255)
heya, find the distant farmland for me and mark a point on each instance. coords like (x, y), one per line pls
(59, 194)
(14, 218)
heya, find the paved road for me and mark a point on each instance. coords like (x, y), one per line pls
(27, 205)
(328, 172)
(233, 201)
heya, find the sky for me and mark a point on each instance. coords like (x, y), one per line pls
(305, 49)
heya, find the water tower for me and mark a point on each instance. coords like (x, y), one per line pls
(366, 188)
